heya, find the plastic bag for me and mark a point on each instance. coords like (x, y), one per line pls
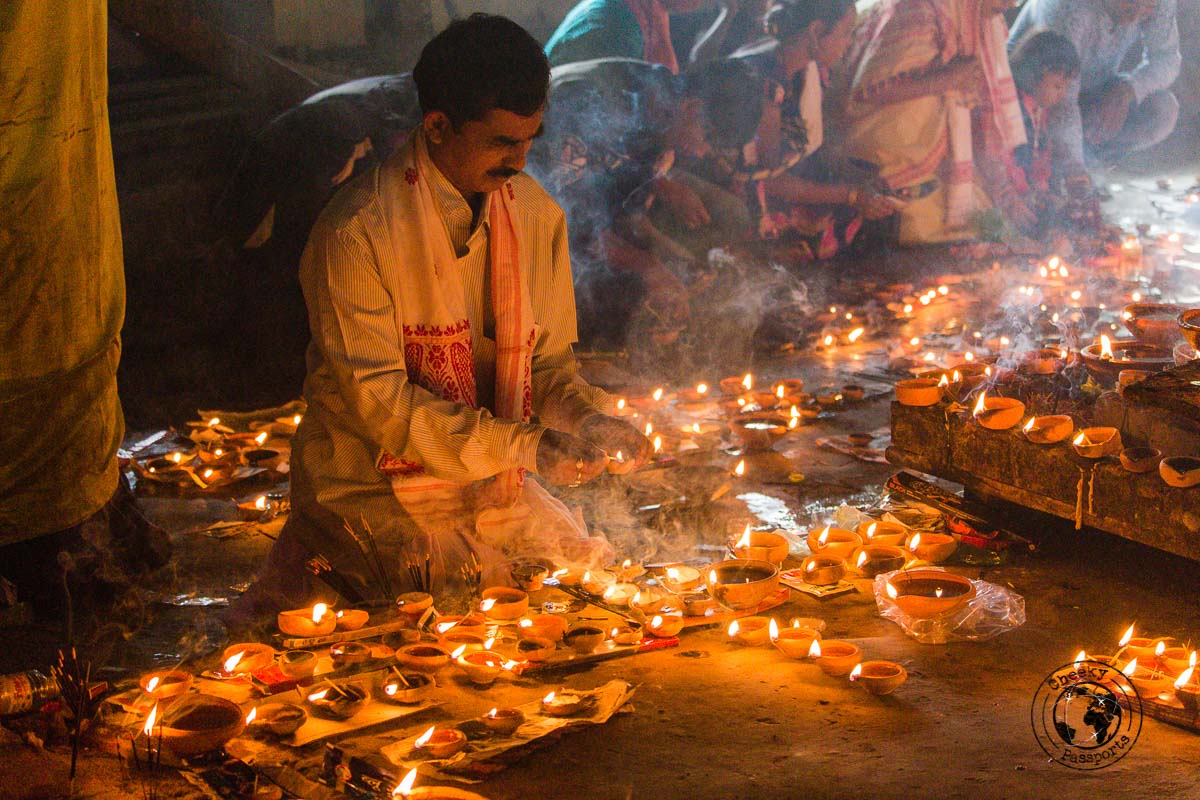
(993, 611)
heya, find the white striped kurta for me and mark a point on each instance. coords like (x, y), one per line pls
(361, 402)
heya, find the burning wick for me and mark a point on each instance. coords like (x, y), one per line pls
(318, 612)
(891, 591)
(734, 628)
(621, 404)
(1128, 635)
(854, 335)
(487, 604)
(1106, 351)
(981, 404)
(773, 630)
(828, 341)
(458, 651)
(404, 788)
(261, 439)
(177, 457)
(658, 444)
(1130, 668)
(214, 422)
(814, 649)
(424, 738)
(1028, 426)
(748, 382)
(854, 673)
(253, 713)
(740, 469)
(260, 504)
(232, 662)
(745, 540)
(701, 388)
(657, 394)
(152, 685)
(149, 726)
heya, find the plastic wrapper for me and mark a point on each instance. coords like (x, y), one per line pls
(993, 611)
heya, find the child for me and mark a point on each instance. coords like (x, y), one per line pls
(1043, 67)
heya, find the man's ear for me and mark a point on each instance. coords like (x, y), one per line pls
(437, 126)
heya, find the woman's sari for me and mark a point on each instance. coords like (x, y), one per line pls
(931, 140)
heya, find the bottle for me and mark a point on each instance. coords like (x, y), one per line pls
(25, 691)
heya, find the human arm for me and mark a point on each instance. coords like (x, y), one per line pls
(1161, 58)
(708, 46)
(964, 75)
(801, 191)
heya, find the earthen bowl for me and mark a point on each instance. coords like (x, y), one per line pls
(460, 637)
(297, 663)
(583, 639)
(628, 634)
(833, 542)
(762, 546)
(1049, 429)
(665, 625)
(444, 743)
(563, 704)
(742, 585)
(932, 548)
(535, 648)
(1153, 322)
(837, 657)
(882, 532)
(171, 683)
(1181, 471)
(481, 667)
(1044, 361)
(255, 656)
(413, 604)
(1127, 354)
(299, 622)
(201, 724)
(418, 687)
(504, 721)
(876, 559)
(1000, 413)
(1097, 442)
(547, 626)
(751, 631)
(530, 577)
(821, 570)
(280, 719)
(506, 603)
(1189, 326)
(760, 430)
(916, 592)
(918, 392)
(351, 619)
(1140, 459)
(796, 642)
(346, 653)
(337, 701)
(423, 657)
(879, 677)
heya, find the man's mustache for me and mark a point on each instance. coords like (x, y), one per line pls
(503, 172)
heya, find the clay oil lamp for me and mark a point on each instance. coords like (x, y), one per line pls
(742, 585)
(927, 594)
(836, 657)
(562, 704)
(760, 546)
(648, 600)
(861, 439)
(971, 375)
(834, 542)
(1187, 690)
(405, 688)
(583, 639)
(1049, 429)
(297, 664)
(1129, 377)
(665, 625)
(853, 393)
(619, 594)
(547, 626)
(1150, 683)
(649, 402)
(760, 430)
(421, 657)
(201, 724)
(440, 742)
(1140, 459)
(918, 392)
(751, 631)
(628, 570)
(503, 602)
(504, 721)
(1106, 358)
(253, 510)
(733, 387)
(263, 458)
(876, 559)
(879, 677)
(535, 648)
(1175, 660)
(877, 531)
(795, 642)
(998, 413)
(828, 397)
(698, 604)
(1189, 326)
(1097, 442)
(279, 719)
(414, 604)
(1153, 322)
(681, 578)
(351, 619)
(307, 622)
(344, 654)
(1137, 646)
(530, 577)
(596, 581)
(932, 548)
(1043, 361)
(822, 570)
(568, 576)
(1180, 471)
(338, 700)
(628, 634)
(165, 685)
(694, 399)
(471, 640)
(245, 658)
(480, 667)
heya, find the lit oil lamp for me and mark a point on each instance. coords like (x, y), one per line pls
(932, 548)
(1105, 359)
(307, 622)
(628, 634)
(253, 510)
(681, 578)
(882, 532)
(927, 593)
(619, 594)
(562, 704)
(742, 585)
(597, 581)
(651, 599)
(338, 700)
(821, 570)
(752, 631)
(796, 642)
(879, 677)
(481, 667)
(998, 413)
(760, 430)
(423, 658)
(837, 657)
(876, 559)
(165, 685)
(351, 619)
(1097, 442)
(440, 742)
(246, 657)
(1150, 683)
(1048, 429)
(833, 542)
(1187, 690)
(503, 602)
(548, 626)
(698, 397)
(583, 639)
(414, 604)
(665, 624)
(918, 392)
(760, 546)
(504, 721)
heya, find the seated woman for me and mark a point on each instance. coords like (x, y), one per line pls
(619, 29)
(917, 69)
(807, 37)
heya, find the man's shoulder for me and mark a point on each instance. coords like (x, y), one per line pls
(348, 207)
(529, 197)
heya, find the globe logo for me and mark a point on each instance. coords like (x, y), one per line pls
(1086, 715)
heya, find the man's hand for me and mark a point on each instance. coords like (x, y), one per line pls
(617, 436)
(683, 203)
(567, 460)
(873, 205)
(1105, 118)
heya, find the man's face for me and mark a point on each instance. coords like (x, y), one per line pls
(1052, 89)
(1129, 12)
(481, 155)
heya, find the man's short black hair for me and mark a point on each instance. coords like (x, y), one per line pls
(732, 108)
(481, 63)
(1041, 53)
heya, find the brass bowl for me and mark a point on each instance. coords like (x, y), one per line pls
(916, 592)
(760, 430)
(201, 724)
(1181, 471)
(1140, 459)
(1154, 322)
(879, 677)
(741, 584)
